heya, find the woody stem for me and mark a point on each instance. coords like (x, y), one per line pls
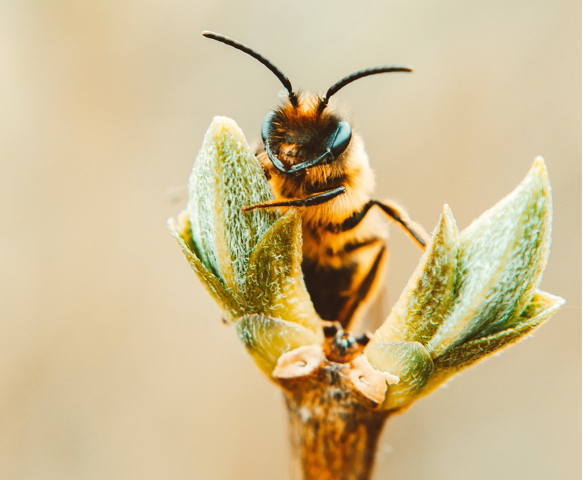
(333, 433)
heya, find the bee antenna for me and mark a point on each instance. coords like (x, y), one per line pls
(249, 51)
(355, 76)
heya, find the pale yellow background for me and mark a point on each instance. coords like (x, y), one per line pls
(113, 361)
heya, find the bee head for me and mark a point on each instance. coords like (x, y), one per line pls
(302, 133)
(300, 136)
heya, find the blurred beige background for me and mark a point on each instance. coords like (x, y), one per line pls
(113, 361)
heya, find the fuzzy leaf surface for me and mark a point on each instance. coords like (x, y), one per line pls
(425, 302)
(275, 282)
(410, 361)
(542, 306)
(226, 177)
(500, 259)
(267, 338)
(229, 300)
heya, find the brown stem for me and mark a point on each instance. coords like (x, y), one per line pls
(334, 430)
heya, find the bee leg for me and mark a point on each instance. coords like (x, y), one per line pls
(396, 213)
(415, 230)
(314, 199)
(366, 288)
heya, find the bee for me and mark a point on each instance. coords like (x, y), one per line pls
(315, 162)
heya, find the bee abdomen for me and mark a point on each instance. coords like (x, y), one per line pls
(338, 292)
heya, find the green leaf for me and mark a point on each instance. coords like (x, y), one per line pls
(226, 177)
(424, 303)
(228, 299)
(275, 283)
(267, 338)
(249, 261)
(500, 259)
(410, 361)
(541, 307)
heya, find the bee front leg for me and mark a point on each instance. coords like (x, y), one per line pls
(314, 199)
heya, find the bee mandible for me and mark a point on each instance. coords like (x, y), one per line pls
(314, 162)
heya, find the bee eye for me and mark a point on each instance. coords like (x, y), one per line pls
(266, 127)
(341, 138)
